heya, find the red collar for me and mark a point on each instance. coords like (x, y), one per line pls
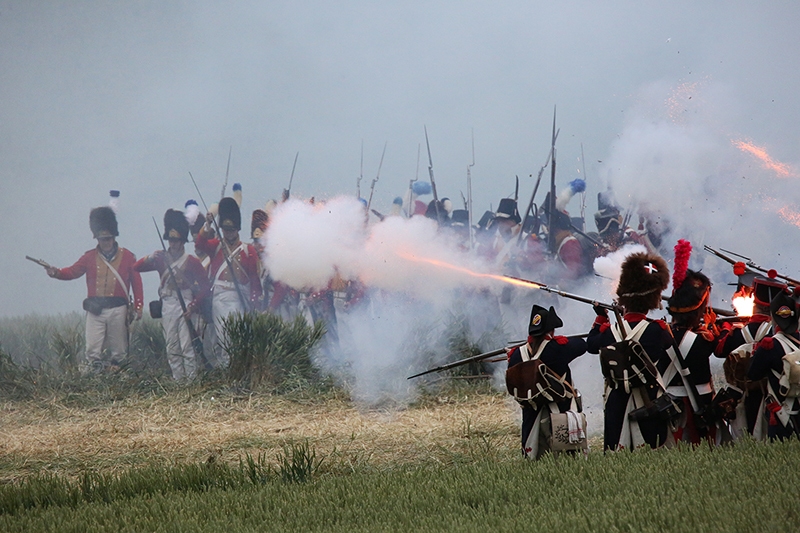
(634, 317)
(757, 319)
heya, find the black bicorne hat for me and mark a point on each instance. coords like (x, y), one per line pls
(230, 216)
(543, 321)
(783, 310)
(103, 222)
(175, 225)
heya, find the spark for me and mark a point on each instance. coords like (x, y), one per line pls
(781, 169)
(436, 262)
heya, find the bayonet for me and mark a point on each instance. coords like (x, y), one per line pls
(227, 171)
(377, 177)
(287, 192)
(430, 172)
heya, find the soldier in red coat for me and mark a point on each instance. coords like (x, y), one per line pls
(232, 292)
(110, 278)
(191, 280)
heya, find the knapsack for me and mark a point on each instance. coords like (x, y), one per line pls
(789, 378)
(737, 363)
(532, 382)
(626, 364)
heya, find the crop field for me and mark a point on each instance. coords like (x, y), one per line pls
(133, 451)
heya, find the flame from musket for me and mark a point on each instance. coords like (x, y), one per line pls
(743, 304)
(781, 169)
(442, 264)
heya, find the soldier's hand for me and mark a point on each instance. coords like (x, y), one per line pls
(138, 314)
(210, 219)
(600, 310)
(52, 271)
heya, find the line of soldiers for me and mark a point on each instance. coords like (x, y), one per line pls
(191, 293)
(659, 386)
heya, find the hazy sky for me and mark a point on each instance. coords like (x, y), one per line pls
(134, 95)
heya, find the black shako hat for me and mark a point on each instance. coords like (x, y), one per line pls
(783, 310)
(543, 321)
(175, 225)
(103, 222)
(691, 295)
(508, 209)
(230, 216)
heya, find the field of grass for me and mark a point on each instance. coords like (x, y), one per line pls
(133, 451)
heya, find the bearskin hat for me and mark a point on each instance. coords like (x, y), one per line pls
(783, 310)
(258, 225)
(431, 212)
(543, 320)
(230, 216)
(561, 220)
(175, 225)
(103, 222)
(642, 279)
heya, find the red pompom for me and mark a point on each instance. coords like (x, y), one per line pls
(739, 269)
(683, 250)
(772, 273)
(561, 339)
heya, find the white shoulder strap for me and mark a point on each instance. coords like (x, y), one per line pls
(763, 329)
(525, 354)
(176, 265)
(633, 334)
(114, 271)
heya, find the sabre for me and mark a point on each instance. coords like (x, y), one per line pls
(197, 343)
(227, 170)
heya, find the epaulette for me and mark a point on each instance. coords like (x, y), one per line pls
(766, 343)
(560, 339)
(661, 323)
(604, 327)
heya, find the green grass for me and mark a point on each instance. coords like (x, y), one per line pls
(749, 487)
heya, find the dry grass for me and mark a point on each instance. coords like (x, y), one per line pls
(179, 427)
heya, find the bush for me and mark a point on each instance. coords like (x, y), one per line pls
(269, 353)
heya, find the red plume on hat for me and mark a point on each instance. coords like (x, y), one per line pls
(683, 250)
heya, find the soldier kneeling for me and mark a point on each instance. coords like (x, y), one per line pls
(539, 378)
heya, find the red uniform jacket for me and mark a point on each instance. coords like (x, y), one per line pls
(101, 281)
(191, 275)
(245, 263)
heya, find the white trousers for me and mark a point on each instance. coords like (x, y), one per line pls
(224, 303)
(107, 330)
(180, 352)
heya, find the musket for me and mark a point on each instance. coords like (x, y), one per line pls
(409, 211)
(616, 309)
(361, 175)
(469, 195)
(480, 357)
(430, 172)
(536, 188)
(38, 261)
(288, 191)
(197, 343)
(372, 187)
(583, 194)
(225, 252)
(749, 262)
(227, 170)
(551, 236)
